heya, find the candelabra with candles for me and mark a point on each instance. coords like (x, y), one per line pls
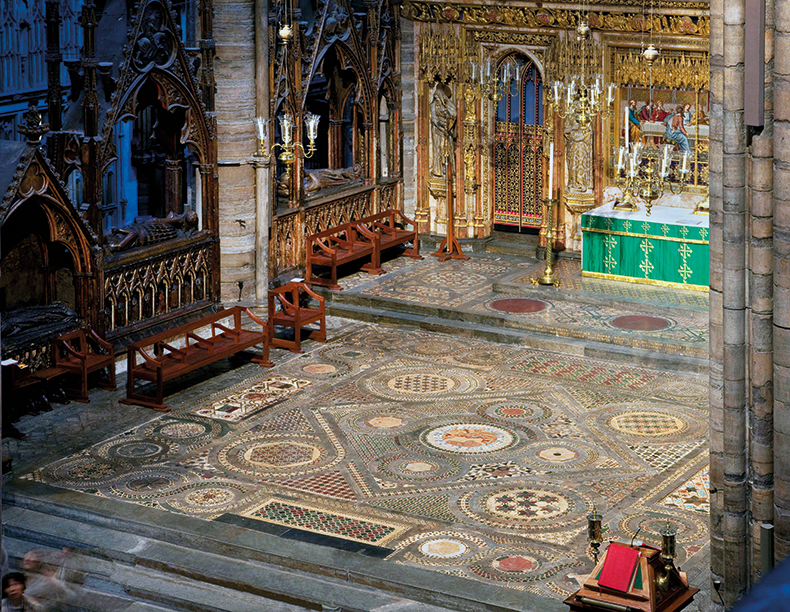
(490, 82)
(639, 180)
(288, 148)
(583, 96)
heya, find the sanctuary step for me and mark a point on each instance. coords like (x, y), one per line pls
(136, 559)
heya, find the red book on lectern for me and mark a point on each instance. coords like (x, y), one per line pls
(619, 567)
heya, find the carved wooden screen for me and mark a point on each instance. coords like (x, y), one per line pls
(518, 146)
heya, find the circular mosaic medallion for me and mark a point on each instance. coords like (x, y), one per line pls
(319, 368)
(407, 468)
(686, 389)
(148, 483)
(443, 548)
(560, 454)
(380, 422)
(641, 323)
(515, 411)
(381, 338)
(288, 454)
(520, 564)
(210, 499)
(435, 346)
(403, 384)
(647, 423)
(268, 454)
(482, 356)
(540, 506)
(183, 430)
(527, 504)
(468, 438)
(85, 471)
(189, 431)
(136, 451)
(518, 305)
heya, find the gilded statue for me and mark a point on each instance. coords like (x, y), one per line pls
(443, 120)
(578, 155)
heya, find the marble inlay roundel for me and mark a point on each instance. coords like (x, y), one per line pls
(443, 548)
(183, 430)
(527, 504)
(515, 563)
(385, 421)
(421, 383)
(319, 368)
(640, 323)
(469, 438)
(647, 423)
(282, 454)
(517, 305)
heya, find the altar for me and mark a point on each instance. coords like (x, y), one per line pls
(668, 248)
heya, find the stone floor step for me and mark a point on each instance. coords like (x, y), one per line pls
(497, 329)
(186, 559)
(112, 585)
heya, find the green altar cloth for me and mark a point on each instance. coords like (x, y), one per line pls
(668, 248)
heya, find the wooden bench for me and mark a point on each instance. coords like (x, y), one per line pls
(388, 229)
(169, 362)
(292, 313)
(348, 242)
(80, 353)
(333, 247)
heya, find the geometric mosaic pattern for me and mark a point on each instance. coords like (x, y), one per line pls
(319, 520)
(246, 402)
(395, 437)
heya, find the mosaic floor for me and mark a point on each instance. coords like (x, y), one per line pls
(470, 458)
(466, 287)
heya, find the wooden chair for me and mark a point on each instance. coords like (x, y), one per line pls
(82, 352)
(292, 314)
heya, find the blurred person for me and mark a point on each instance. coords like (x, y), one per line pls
(14, 598)
(46, 577)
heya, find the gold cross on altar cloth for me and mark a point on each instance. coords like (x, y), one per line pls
(646, 266)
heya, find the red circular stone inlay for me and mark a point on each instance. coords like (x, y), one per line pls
(516, 563)
(513, 411)
(518, 305)
(640, 323)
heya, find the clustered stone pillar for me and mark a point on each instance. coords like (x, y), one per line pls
(781, 278)
(750, 424)
(728, 397)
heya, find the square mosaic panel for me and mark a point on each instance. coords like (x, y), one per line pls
(323, 521)
(250, 400)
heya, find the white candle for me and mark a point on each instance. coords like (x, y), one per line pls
(620, 157)
(627, 126)
(685, 161)
(551, 169)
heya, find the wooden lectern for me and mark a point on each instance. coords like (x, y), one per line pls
(637, 578)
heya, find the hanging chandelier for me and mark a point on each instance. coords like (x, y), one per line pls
(581, 97)
(289, 148)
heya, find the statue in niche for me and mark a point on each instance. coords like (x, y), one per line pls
(321, 178)
(443, 120)
(146, 230)
(578, 155)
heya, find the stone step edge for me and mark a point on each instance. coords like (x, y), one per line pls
(411, 582)
(534, 339)
(536, 292)
(336, 301)
(144, 584)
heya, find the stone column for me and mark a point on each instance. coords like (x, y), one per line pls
(234, 32)
(781, 286)
(760, 278)
(408, 134)
(727, 300)
(264, 193)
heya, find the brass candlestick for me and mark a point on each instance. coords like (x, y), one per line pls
(594, 532)
(668, 554)
(549, 277)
